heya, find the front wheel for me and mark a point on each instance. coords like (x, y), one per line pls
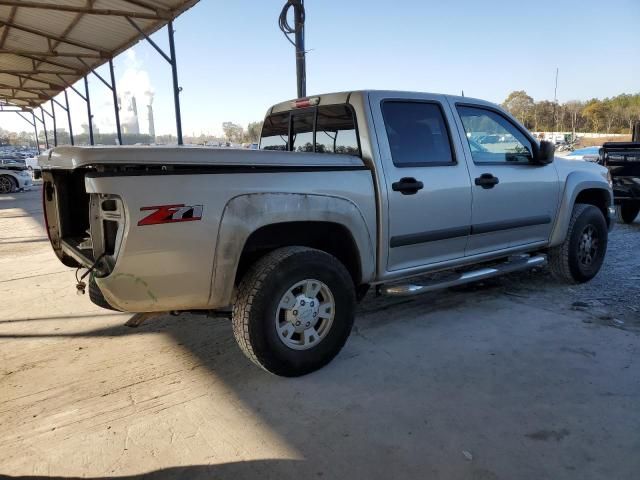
(7, 184)
(627, 212)
(294, 310)
(579, 258)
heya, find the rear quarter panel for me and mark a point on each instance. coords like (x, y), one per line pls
(171, 266)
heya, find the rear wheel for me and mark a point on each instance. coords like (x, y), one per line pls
(627, 212)
(294, 310)
(579, 258)
(7, 184)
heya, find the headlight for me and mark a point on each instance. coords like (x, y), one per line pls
(24, 173)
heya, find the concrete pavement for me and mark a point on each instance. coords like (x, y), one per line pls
(511, 379)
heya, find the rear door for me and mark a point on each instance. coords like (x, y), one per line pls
(514, 200)
(427, 183)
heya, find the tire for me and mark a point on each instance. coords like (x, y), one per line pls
(627, 212)
(7, 184)
(578, 260)
(258, 313)
(95, 295)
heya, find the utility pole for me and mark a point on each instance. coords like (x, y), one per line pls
(298, 31)
(301, 67)
(555, 105)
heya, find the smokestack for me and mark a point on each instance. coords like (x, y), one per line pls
(135, 127)
(152, 127)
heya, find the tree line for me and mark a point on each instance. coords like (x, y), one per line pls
(610, 115)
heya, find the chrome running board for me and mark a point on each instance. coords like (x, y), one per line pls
(521, 262)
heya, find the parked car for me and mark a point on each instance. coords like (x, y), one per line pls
(588, 154)
(14, 176)
(387, 190)
(33, 167)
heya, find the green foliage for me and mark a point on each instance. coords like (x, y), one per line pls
(232, 131)
(252, 135)
(610, 115)
(519, 104)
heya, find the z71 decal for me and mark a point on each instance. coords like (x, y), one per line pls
(171, 214)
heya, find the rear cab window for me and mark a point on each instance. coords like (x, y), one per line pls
(418, 134)
(322, 129)
(275, 132)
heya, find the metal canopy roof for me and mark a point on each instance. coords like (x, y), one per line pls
(48, 45)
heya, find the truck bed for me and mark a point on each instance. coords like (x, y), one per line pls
(69, 158)
(152, 217)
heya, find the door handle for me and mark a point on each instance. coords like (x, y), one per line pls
(407, 186)
(487, 180)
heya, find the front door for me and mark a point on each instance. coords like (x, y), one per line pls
(514, 200)
(426, 180)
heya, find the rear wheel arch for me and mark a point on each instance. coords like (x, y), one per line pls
(330, 237)
(250, 225)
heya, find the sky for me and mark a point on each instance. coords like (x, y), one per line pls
(233, 61)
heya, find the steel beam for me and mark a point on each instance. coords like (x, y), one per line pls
(50, 53)
(176, 88)
(148, 39)
(86, 10)
(171, 59)
(66, 100)
(55, 128)
(115, 100)
(89, 116)
(57, 38)
(44, 127)
(25, 118)
(35, 129)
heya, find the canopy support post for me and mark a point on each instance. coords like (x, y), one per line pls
(66, 101)
(35, 129)
(44, 127)
(89, 116)
(55, 128)
(115, 101)
(176, 87)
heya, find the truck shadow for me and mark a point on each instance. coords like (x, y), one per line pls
(264, 469)
(403, 399)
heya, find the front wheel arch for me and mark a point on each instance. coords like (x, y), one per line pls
(589, 191)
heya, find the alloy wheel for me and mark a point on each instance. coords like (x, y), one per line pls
(305, 314)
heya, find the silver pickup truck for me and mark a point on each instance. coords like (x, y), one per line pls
(407, 192)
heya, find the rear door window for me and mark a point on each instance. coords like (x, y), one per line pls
(417, 133)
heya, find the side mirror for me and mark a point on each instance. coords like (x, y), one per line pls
(543, 155)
